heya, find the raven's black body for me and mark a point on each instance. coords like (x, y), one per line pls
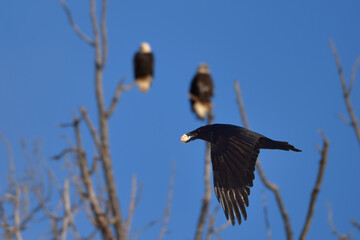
(234, 151)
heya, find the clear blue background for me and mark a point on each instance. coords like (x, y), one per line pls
(278, 51)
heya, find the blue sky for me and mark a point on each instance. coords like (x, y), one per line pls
(278, 51)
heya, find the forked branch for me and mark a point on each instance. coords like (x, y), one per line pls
(77, 30)
(119, 90)
(271, 186)
(347, 89)
(86, 180)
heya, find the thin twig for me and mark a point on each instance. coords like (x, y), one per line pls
(138, 233)
(346, 91)
(92, 130)
(267, 222)
(120, 89)
(275, 189)
(207, 194)
(104, 39)
(63, 153)
(74, 25)
(25, 200)
(96, 34)
(333, 228)
(353, 74)
(169, 201)
(131, 211)
(17, 213)
(212, 230)
(271, 186)
(316, 190)
(241, 104)
(355, 224)
(67, 207)
(94, 165)
(10, 155)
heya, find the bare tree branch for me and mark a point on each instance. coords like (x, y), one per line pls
(63, 153)
(86, 179)
(267, 222)
(67, 207)
(271, 186)
(240, 104)
(169, 200)
(92, 130)
(274, 188)
(127, 224)
(207, 194)
(212, 230)
(17, 220)
(355, 224)
(74, 25)
(104, 129)
(104, 39)
(353, 74)
(95, 27)
(333, 228)
(316, 190)
(137, 234)
(10, 156)
(119, 90)
(346, 91)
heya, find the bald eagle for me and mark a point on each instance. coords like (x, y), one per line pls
(144, 67)
(234, 151)
(201, 91)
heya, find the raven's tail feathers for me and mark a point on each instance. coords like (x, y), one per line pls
(267, 143)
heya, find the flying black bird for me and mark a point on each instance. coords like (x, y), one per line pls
(201, 91)
(234, 151)
(144, 67)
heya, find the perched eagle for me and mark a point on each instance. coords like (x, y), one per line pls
(144, 67)
(234, 151)
(201, 91)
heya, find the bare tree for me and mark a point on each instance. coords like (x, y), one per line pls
(105, 214)
(17, 211)
(275, 189)
(92, 175)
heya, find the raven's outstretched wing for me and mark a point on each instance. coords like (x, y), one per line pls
(233, 160)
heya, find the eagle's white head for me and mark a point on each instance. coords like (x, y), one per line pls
(203, 68)
(145, 47)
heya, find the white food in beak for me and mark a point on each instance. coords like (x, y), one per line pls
(185, 138)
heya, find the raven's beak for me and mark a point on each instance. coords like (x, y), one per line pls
(185, 138)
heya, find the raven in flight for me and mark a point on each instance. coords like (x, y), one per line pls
(234, 151)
